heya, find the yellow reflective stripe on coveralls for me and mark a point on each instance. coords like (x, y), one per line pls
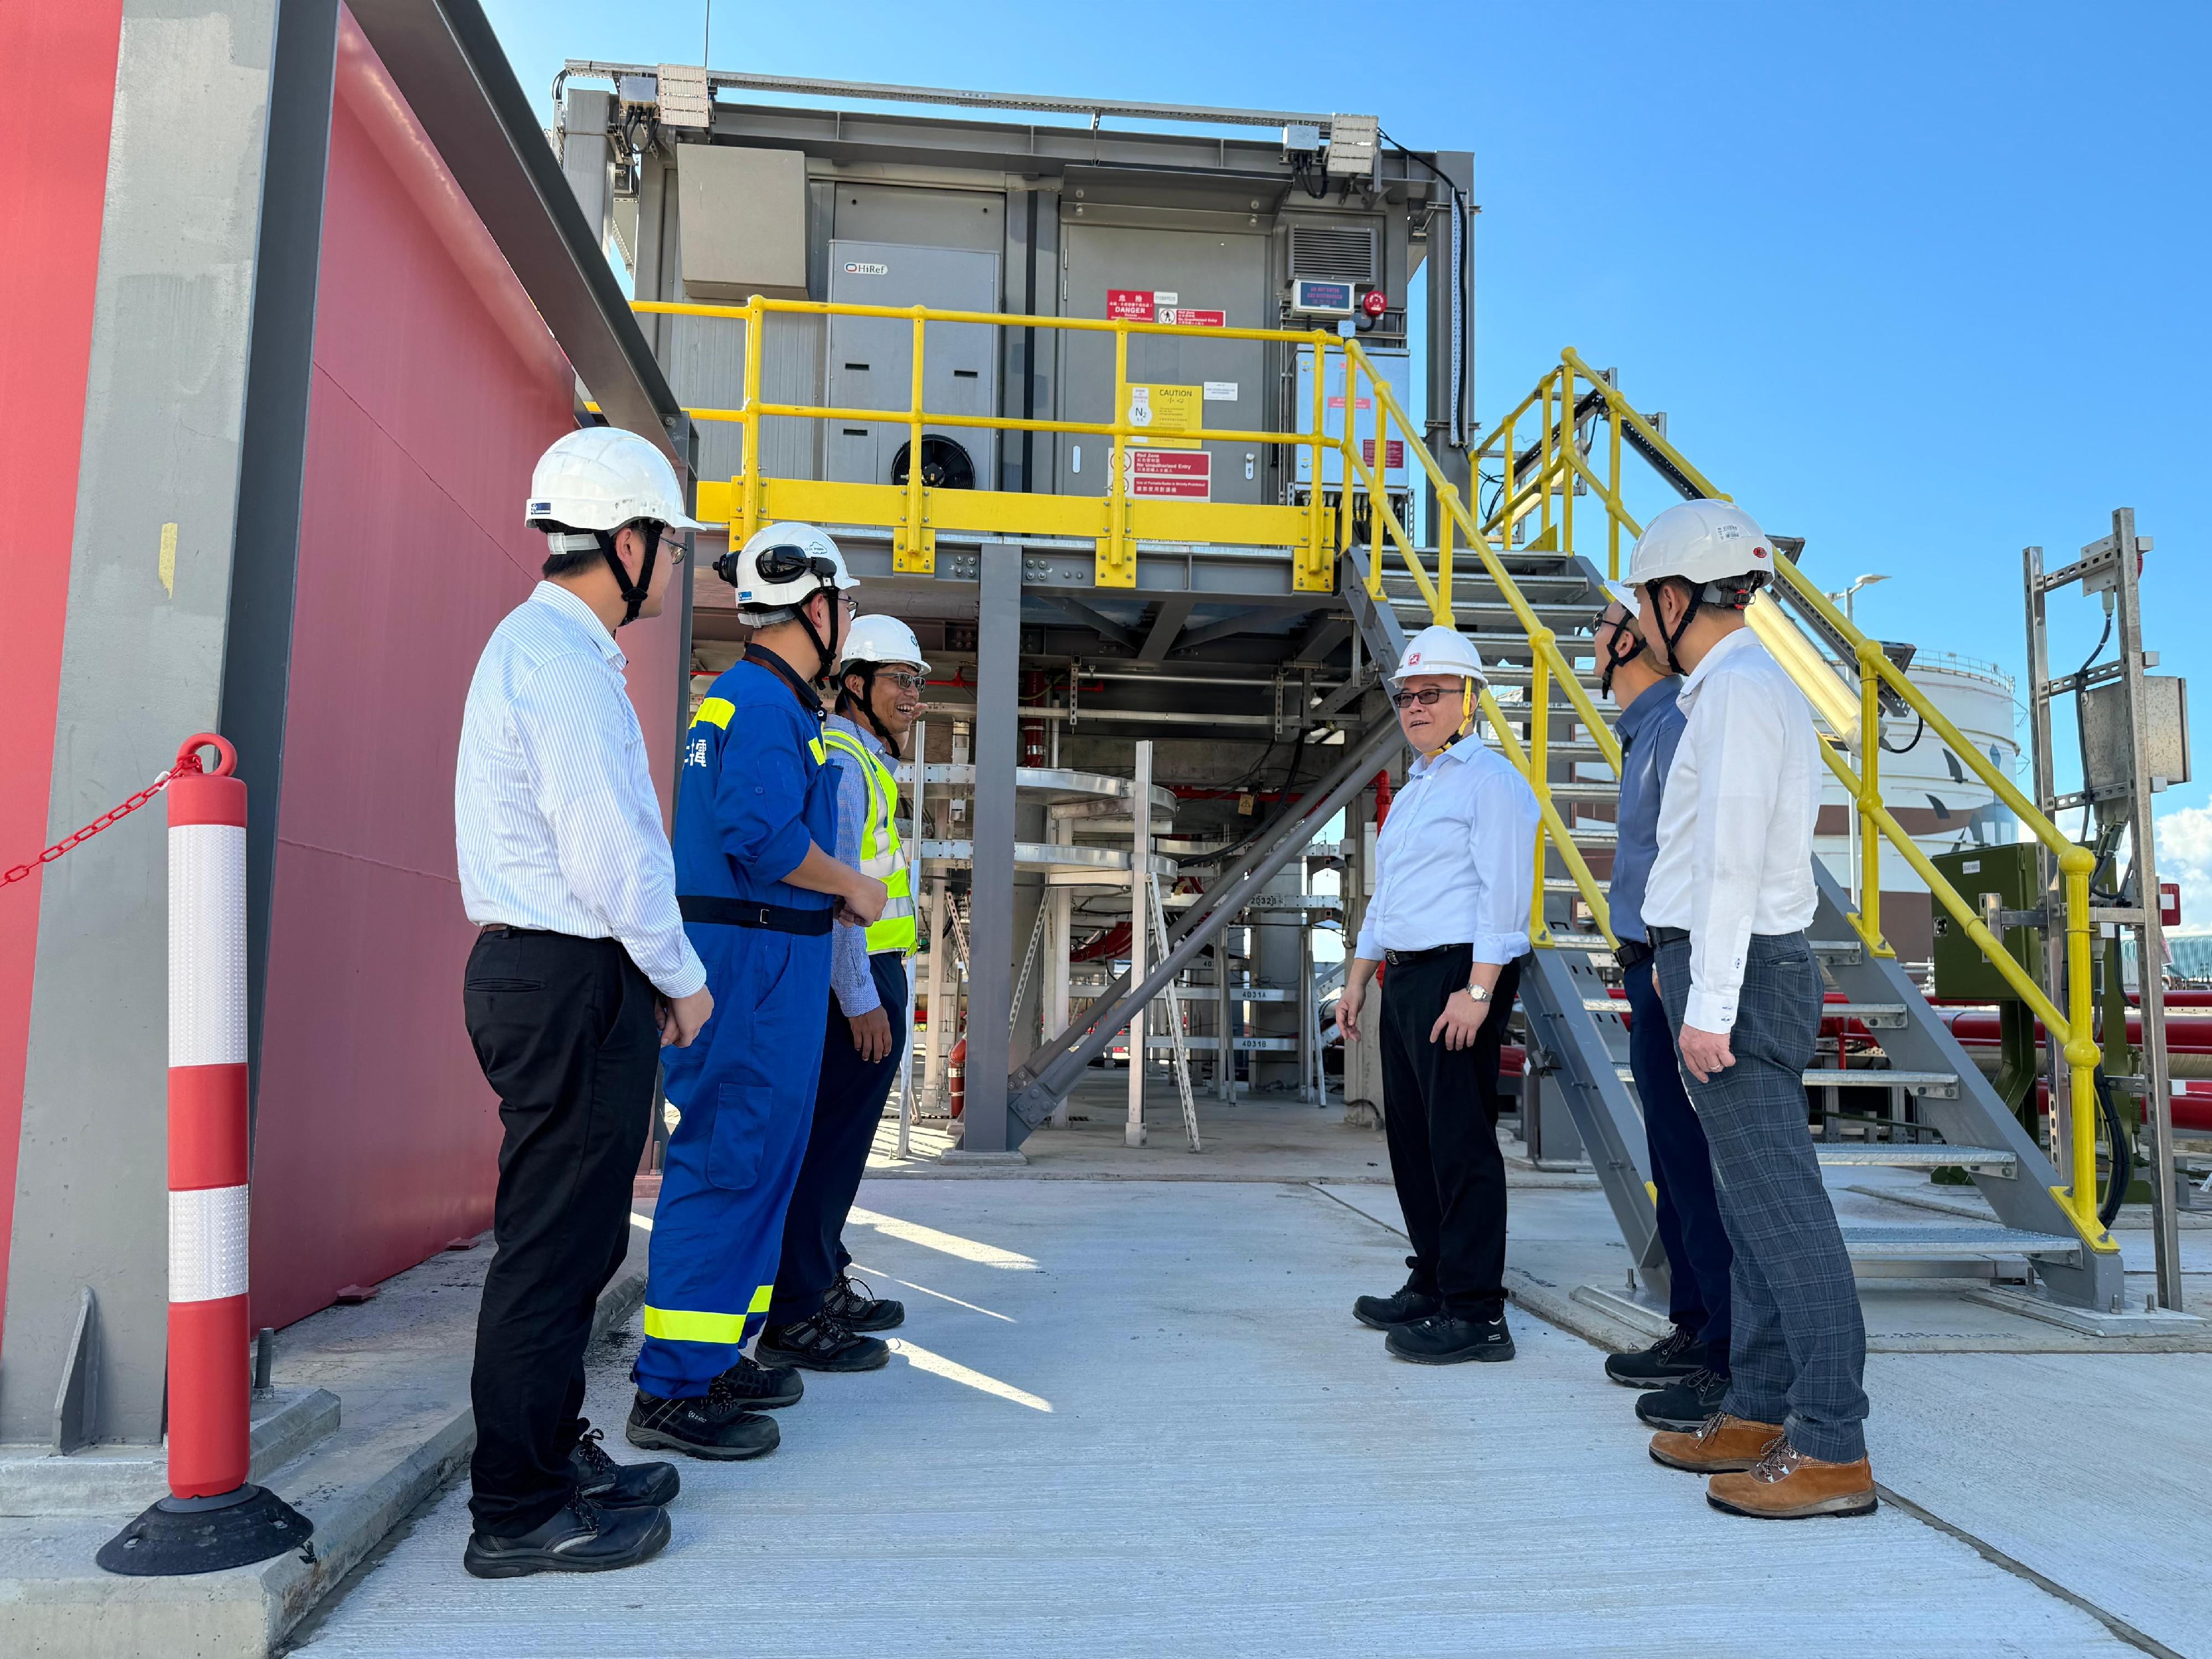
(882, 854)
(715, 711)
(677, 1325)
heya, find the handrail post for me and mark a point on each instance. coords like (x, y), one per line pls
(749, 514)
(1567, 447)
(1446, 503)
(912, 551)
(1539, 768)
(2076, 864)
(1869, 798)
(1613, 517)
(1319, 564)
(1544, 460)
(1505, 490)
(1353, 470)
(1117, 493)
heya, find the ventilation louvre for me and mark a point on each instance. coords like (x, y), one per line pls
(1341, 253)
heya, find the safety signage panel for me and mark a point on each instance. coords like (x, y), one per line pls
(1169, 475)
(1159, 412)
(1140, 305)
(1184, 317)
(1221, 391)
(1397, 451)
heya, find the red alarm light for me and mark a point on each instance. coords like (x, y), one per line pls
(1375, 302)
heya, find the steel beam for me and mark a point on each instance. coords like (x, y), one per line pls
(1168, 619)
(449, 63)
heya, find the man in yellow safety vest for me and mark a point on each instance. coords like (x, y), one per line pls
(818, 1317)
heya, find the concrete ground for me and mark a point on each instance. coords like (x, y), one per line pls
(1130, 1411)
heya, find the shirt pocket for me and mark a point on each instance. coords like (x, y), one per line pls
(741, 1113)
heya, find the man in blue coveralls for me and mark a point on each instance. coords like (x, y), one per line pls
(1686, 1370)
(759, 889)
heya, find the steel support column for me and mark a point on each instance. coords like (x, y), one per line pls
(991, 878)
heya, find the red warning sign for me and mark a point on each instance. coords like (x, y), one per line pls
(1175, 475)
(1397, 451)
(1129, 305)
(1183, 316)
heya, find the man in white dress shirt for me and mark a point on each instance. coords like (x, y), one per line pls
(580, 972)
(1454, 877)
(1725, 909)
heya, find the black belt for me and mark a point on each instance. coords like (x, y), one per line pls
(1632, 952)
(743, 913)
(1400, 958)
(1663, 937)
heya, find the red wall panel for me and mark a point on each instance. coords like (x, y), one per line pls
(51, 200)
(435, 387)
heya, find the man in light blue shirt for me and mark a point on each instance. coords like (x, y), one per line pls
(1454, 880)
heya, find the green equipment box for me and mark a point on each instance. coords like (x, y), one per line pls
(2008, 869)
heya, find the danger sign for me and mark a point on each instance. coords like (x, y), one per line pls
(1397, 453)
(1159, 412)
(1169, 475)
(1130, 305)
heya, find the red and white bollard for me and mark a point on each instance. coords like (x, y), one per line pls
(213, 1517)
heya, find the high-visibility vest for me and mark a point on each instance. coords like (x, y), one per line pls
(881, 854)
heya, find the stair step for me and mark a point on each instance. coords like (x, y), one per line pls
(1963, 1242)
(1837, 950)
(1925, 1156)
(1942, 1084)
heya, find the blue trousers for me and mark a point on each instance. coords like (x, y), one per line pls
(1698, 1256)
(1797, 1351)
(745, 1087)
(848, 1105)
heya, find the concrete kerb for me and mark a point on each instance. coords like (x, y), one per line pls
(59, 1606)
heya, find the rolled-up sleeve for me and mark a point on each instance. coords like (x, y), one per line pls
(850, 976)
(1503, 825)
(586, 754)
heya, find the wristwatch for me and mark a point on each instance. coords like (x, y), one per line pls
(1479, 993)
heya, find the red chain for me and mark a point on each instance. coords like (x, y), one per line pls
(187, 763)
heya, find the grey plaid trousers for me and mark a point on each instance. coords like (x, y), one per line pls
(1797, 1351)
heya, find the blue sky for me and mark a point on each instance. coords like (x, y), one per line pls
(1922, 284)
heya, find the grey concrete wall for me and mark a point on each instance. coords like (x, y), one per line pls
(142, 668)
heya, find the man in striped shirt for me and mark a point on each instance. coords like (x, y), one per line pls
(581, 973)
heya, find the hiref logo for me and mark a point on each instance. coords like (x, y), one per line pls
(862, 268)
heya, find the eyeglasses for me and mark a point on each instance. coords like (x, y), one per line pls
(1428, 697)
(678, 548)
(903, 681)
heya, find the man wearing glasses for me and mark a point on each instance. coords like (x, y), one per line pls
(1455, 877)
(819, 1319)
(760, 890)
(579, 973)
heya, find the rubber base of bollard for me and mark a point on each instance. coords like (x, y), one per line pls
(182, 1535)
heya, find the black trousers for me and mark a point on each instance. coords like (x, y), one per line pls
(1698, 1254)
(565, 1031)
(1440, 1114)
(848, 1104)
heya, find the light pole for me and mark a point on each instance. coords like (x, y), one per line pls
(1845, 596)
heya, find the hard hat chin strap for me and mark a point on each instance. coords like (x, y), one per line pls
(867, 702)
(634, 594)
(1615, 658)
(826, 657)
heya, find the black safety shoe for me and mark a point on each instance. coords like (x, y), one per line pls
(760, 1388)
(1672, 1358)
(820, 1343)
(718, 1426)
(1447, 1339)
(1386, 1313)
(1683, 1406)
(581, 1537)
(613, 1486)
(851, 1304)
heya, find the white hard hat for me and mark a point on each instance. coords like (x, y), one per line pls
(784, 564)
(1703, 543)
(1622, 594)
(602, 477)
(1441, 650)
(881, 639)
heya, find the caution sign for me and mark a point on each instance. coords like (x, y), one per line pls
(1168, 475)
(1160, 413)
(1185, 317)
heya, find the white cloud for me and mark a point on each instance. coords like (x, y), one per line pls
(2184, 854)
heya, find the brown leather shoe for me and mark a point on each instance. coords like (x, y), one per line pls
(1724, 1444)
(1785, 1484)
